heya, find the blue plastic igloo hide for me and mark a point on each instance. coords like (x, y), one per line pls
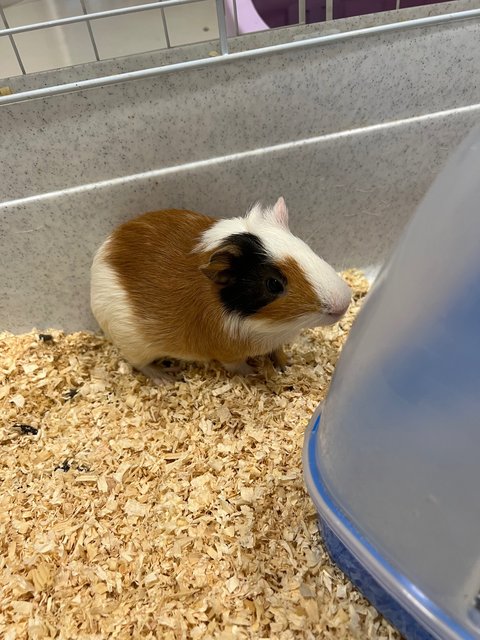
(392, 462)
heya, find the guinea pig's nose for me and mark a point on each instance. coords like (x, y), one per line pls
(340, 305)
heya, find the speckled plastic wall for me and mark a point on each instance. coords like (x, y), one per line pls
(352, 135)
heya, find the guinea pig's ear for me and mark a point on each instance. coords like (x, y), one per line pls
(279, 213)
(219, 267)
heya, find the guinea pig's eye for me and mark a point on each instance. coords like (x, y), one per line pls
(274, 286)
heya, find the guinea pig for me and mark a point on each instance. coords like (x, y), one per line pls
(179, 284)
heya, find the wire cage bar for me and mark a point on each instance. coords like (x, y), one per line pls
(224, 55)
(97, 15)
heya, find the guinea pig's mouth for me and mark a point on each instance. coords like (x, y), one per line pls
(327, 318)
(321, 319)
(335, 311)
(334, 317)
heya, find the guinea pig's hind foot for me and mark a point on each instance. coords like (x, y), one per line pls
(240, 368)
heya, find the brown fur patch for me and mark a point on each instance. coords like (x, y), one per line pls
(299, 298)
(177, 307)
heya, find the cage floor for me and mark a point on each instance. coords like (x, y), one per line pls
(132, 511)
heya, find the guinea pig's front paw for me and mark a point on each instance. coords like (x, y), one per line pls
(157, 375)
(240, 368)
(279, 359)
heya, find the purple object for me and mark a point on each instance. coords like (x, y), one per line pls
(348, 8)
(280, 13)
(414, 3)
(259, 15)
(248, 18)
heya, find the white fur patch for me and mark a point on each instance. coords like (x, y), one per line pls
(114, 313)
(265, 335)
(333, 293)
(219, 232)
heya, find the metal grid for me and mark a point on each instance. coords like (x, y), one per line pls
(87, 18)
(223, 39)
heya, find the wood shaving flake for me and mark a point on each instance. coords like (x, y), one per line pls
(18, 400)
(134, 508)
(165, 512)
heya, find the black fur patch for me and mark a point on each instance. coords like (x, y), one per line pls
(246, 291)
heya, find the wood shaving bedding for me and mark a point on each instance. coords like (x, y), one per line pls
(134, 511)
